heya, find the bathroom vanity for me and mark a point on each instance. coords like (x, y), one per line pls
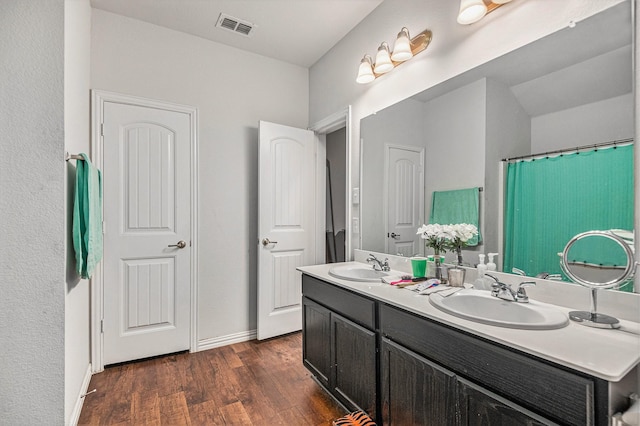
(389, 352)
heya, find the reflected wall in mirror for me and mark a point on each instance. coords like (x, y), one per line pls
(569, 89)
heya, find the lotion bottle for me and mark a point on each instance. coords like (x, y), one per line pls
(491, 266)
(481, 282)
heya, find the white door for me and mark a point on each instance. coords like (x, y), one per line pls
(286, 225)
(405, 198)
(147, 204)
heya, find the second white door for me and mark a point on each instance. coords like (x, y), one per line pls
(147, 247)
(285, 225)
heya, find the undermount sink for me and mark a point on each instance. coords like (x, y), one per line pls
(480, 306)
(357, 273)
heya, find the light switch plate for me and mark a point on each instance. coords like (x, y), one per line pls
(355, 225)
(355, 195)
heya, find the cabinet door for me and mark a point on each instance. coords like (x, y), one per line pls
(354, 357)
(414, 390)
(478, 406)
(316, 340)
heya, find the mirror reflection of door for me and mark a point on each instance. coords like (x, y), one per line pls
(404, 198)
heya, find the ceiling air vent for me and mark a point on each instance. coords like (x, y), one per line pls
(236, 25)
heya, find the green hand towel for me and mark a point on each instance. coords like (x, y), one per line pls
(457, 206)
(87, 217)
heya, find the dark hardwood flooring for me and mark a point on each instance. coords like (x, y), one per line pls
(249, 383)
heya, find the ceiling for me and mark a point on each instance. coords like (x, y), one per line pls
(295, 31)
(569, 68)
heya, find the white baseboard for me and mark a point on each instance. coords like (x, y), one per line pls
(229, 339)
(77, 408)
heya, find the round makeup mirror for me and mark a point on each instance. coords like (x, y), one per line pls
(597, 260)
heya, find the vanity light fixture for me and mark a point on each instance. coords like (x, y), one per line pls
(404, 49)
(474, 10)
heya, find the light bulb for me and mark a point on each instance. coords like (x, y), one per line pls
(402, 47)
(383, 60)
(365, 72)
(471, 11)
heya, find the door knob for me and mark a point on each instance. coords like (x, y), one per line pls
(181, 244)
(394, 235)
(266, 242)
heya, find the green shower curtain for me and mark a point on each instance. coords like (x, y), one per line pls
(549, 200)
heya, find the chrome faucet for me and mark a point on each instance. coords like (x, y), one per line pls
(377, 264)
(505, 292)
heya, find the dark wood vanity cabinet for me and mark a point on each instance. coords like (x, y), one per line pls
(415, 391)
(495, 384)
(339, 343)
(480, 407)
(429, 373)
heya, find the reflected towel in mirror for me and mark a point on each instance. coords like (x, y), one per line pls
(457, 206)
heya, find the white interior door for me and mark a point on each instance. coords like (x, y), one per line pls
(404, 198)
(286, 225)
(147, 247)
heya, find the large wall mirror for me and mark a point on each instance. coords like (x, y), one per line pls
(572, 88)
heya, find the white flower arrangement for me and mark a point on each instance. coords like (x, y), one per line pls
(442, 237)
(462, 233)
(437, 236)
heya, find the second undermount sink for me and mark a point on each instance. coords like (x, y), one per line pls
(480, 306)
(357, 273)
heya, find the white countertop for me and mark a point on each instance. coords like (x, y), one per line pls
(607, 354)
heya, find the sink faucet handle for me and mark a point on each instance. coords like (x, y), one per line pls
(521, 295)
(377, 265)
(385, 265)
(495, 286)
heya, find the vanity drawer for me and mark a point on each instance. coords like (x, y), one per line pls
(551, 391)
(350, 305)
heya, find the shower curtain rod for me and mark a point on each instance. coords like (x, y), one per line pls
(578, 148)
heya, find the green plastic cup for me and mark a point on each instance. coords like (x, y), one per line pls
(419, 266)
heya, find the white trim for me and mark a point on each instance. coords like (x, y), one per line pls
(321, 198)
(98, 98)
(502, 176)
(362, 195)
(330, 124)
(229, 339)
(77, 408)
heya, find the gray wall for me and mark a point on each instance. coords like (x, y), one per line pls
(603, 121)
(232, 90)
(508, 134)
(455, 128)
(32, 272)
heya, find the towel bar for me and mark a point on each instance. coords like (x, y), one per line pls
(68, 157)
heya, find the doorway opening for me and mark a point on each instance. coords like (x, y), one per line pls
(336, 196)
(333, 201)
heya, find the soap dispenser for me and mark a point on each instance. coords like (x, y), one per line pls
(482, 282)
(491, 265)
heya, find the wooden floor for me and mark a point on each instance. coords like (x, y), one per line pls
(250, 383)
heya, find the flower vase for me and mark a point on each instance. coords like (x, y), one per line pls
(459, 253)
(438, 265)
(456, 276)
